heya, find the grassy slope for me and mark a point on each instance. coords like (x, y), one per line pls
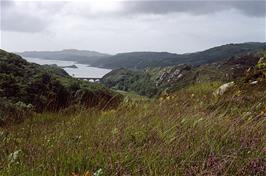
(186, 133)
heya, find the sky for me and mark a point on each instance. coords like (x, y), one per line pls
(111, 26)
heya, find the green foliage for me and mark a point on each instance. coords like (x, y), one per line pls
(47, 88)
(130, 80)
(14, 112)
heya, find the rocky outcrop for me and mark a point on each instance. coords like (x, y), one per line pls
(223, 88)
(172, 74)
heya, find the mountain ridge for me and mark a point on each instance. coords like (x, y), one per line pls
(141, 60)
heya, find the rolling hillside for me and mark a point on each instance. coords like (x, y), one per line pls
(156, 80)
(141, 60)
(188, 132)
(70, 127)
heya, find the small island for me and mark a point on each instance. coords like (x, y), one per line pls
(70, 66)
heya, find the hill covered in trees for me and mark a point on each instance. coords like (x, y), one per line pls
(27, 87)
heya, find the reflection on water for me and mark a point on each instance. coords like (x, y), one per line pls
(82, 70)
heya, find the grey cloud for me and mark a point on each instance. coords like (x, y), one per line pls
(27, 16)
(6, 4)
(22, 23)
(18, 17)
(250, 8)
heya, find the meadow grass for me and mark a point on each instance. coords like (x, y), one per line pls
(186, 133)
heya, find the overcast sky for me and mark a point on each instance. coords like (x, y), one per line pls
(123, 26)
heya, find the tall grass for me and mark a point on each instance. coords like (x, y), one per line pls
(184, 133)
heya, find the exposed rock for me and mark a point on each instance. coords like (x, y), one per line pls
(262, 60)
(179, 76)
(173, 74)
(223, 88)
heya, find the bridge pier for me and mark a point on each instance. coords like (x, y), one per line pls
(90, 79)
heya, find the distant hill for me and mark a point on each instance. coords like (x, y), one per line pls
(137, 60)
(140, 60)
(153, 81)
(80, 56)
